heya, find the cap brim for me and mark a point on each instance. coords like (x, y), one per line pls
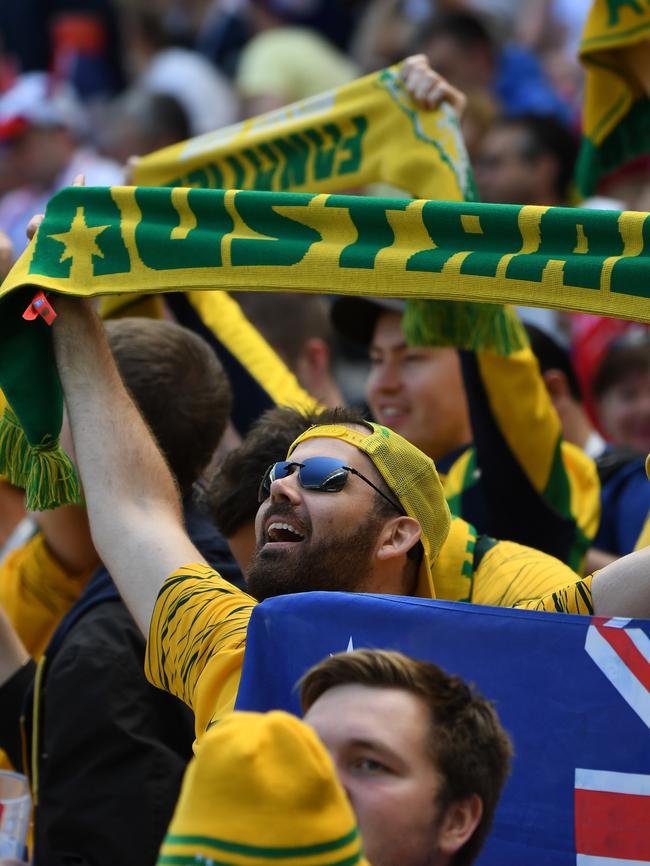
(355, 318)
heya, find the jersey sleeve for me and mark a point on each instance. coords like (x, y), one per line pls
(197, 640)
(573, 598)
(536, 489)
(36, 592)
(511, 575)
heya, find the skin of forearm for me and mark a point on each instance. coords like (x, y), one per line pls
(129, 490)
(623, 588)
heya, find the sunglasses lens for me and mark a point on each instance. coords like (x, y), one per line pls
(316, 473)
(275, 470)
(323, 473)
(335, 482)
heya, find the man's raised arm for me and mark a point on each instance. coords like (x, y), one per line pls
(132, 500)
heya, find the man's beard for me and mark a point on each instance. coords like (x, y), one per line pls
(341, 564)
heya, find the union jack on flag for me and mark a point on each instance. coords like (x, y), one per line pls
(612, 810)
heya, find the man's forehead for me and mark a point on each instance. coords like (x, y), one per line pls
(354, 712)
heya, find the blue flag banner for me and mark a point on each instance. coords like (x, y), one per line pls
(573, 692)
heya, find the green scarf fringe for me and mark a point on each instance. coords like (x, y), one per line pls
(627, 141)
(44, 471)
(464, 325)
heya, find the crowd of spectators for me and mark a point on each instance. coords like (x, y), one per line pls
(85, 86)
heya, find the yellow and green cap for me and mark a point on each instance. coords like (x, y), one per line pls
(412, 477)
(262, 790)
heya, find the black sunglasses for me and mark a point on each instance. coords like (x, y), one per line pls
(325, 474)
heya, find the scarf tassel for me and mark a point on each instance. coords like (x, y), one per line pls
(464, 325)
(44, 471)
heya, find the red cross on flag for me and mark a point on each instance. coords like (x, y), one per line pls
(612, 818)
(612, 810)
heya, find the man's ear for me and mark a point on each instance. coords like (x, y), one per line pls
(398, 536)
(459, 822)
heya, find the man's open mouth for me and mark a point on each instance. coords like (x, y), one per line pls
(279, 531)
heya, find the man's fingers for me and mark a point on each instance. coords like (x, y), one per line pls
(80, 180)
(34, 224)
(427, 87)
(414, 61)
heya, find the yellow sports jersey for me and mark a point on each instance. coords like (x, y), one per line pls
(197, 639)
(198, 629)
(36, 592)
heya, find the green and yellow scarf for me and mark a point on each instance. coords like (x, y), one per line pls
(368, 131)
(106, 241)
(615, 51)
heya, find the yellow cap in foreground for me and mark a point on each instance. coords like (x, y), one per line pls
(262, 790)
(413, 478)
